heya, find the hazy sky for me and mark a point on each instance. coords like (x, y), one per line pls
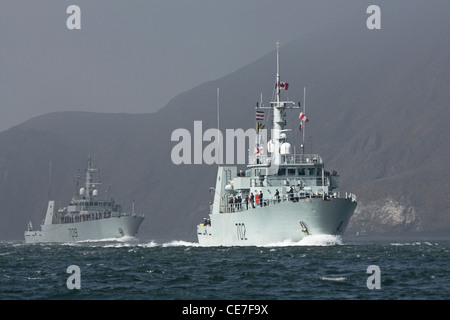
(134, 56)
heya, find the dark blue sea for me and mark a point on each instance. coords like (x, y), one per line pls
(317, 268)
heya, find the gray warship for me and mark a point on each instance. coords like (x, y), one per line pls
(281, 197)
(87, 217)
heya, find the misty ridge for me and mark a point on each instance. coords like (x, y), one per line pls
(378, 107)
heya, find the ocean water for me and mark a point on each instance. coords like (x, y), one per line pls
(316, 268)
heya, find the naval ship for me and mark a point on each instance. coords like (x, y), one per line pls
(282, 196)
(87, 217)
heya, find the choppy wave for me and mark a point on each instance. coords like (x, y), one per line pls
(318, 267)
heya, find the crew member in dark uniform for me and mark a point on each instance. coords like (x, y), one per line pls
(261, 198)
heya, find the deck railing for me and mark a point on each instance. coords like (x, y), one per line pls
(288, 159)
(290, 197)
(61, 218)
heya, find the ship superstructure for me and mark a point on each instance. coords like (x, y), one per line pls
(281, 196)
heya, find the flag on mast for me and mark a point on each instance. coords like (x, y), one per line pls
(259, 120)
(259, 127)
(303, 117)
(283, 85)
(259, 115)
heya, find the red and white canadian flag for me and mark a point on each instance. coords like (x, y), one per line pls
(259, 150)
(303, 117)
(283, 85)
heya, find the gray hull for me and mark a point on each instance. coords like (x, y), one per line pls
(111, 228)
(287, 221)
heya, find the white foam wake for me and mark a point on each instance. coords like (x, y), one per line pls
(333, 278)
(321, 240)
(314, 240)
(180, 243)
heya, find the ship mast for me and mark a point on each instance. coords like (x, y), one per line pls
(277, 115)
(279, 135)
(90, 186)
(278, 130)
